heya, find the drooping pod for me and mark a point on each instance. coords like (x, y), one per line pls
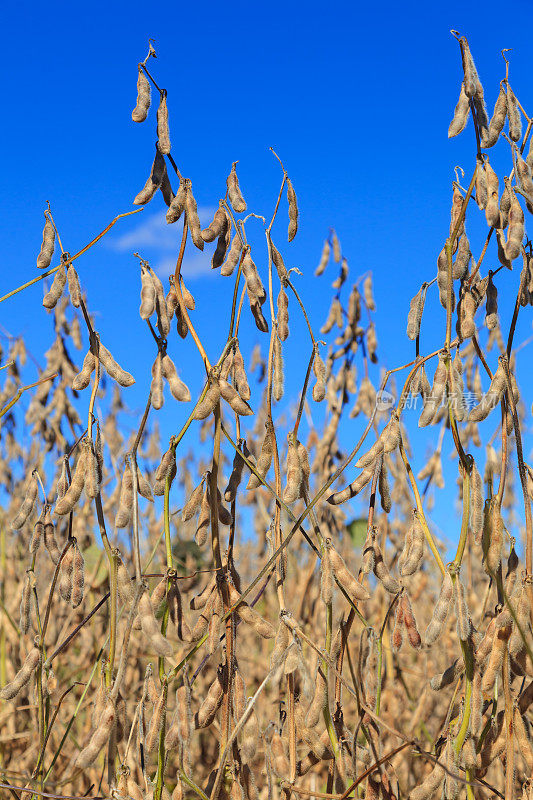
(24, 615)
(166, 469)
(177, 205)
(147, 306)
(163, 137)
(234, 191)
(78, 576)
(416, 309)
(124, 514)
(163, 321)
(476, 503)
(231, 396)
(27, 504)
(353, 489)
(491, 398)
(47, 248)
(56, 290)
(441, 611)
(206, 713)
(498, 119)
(409, 622)
(93, 475)
(413, 552)
(150, 627)
(294, 472)
(178, 388)
(434, 400)
(344, 577)
(217, 225)
(49, 537)
(283, 315)
(239, 374)
(140, 112)
(223, 243)
(278, 379)
(381, 571)
(492, 206)
(232, 256)
(156, 386)
(74, 287)
(204, 517)
(193, 220)
(460, 115)
(66, 503)
(153, 181)
(491, 304)
(293, 210)
(83, 378)
(65, 575)
(99, 737)
(319, 370)
(515, 233)
(23, 676)
(250, 616)
(513, 115)
(206, 406)
(324, 258)
(113, 369)
(236, 472)
(265, 459)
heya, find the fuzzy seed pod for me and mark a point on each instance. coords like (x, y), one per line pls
(461, 114)
(223, 244)
(38, 531)
(277, 260)
(434, 400)
(447, 677)
(231, 396)
(381, 570)
(153, 181)
(83, 378)
(140, 112)
(278, 756)
(253, 281)
(293, 210)
(65, 575)
(481, 186)
(498, 119)
(429, 785)
(156, 722)
(204, 518)
(264, 461)
(397, 631)
(324, 258)
(476, 503)
(409, 622)
(462, 259)
(49, 537)
(440, 612)
(150, 627)
(513, 115)
(416, 309)
(73, 286)
(319, 369)
(47, 248)
(166, 469)
(73, 493)
(212, 701)
(236, 473)
(491, 305)
(29, 585)
(147, 306)
(281, 644)
(354, 488)
(156, 385)
(113, 369)
(251, 617)
(56, 290)
(23, 676)
(175, 609)
(318, 703)
(283, 315)
(92, 475)
(493, 537)
(442, 279)
(163, 138)
(216, 227)
(193, 503)
(27, 504)
(99, 737)
(515, 233)
(491, 398)
(239, 374)
(124, 514)
(178, 389)
(207, 405)
(193, 220)
(326, 577)
(494, 664)
(413, 552)
(232, 257)
(464, 622)
(278, 377)
(234, 191)
(78, 576)
(344, 577)
(294, 472)
(177, 206)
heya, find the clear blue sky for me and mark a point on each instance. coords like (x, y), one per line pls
(355, 97)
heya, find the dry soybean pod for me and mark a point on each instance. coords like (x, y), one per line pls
(178, 388)
(147, 306)
(294, 472)
(293, 211)
(460, 115)
(441, 611)
(231, 396)
(381, 571)
(234, 191)
(113, 369)
(23, 676)
(206, 712)
(204, 518)
(140, 112)
(124, 513)
(278, 380)
(73, 493)
(319, 369)
(177, 206)
(232, 256)
(193, 220)
(44, 258)
(513, 115)
(193, 503)
(353, 489)
(27, 504)
(78, 576)
(153, 181)
(283, 315)
(324, 258)
(163, 136)
(236, 472)
(74, 287)
(265, 459)
(49, 537)
(65, 575)
(211, 398)
(156, 385)
(250, 616)
(83, 378)
(498, 118)
(150, 627)
(344, 577)
(100, 736)
(56, 290)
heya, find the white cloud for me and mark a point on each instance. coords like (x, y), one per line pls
(159, 243)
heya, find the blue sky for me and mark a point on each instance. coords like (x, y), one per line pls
(356, 99)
